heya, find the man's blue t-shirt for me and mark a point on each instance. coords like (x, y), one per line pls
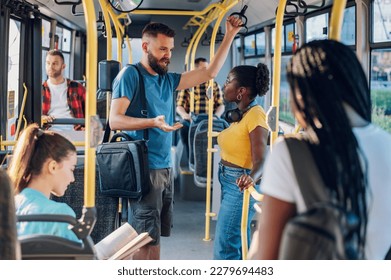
(30, 201)
(159, 92)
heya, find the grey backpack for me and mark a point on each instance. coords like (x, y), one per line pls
(324, 231)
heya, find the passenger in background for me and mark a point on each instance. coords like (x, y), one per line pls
(241, 165)
(201, 102)
(61, 97)
(330, 98)
(42, 164)
(9, 249)
(154, 212)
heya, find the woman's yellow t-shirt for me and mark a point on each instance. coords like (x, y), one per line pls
(235, 142)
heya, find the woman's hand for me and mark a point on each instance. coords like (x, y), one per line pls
(245, 181)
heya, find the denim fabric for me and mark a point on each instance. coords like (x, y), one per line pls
(227, 244)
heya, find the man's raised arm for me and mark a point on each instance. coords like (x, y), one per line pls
(198, 76)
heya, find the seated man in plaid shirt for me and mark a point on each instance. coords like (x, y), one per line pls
(61, 97)
(200, 102)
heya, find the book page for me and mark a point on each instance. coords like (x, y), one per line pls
(132, 246)
(116, 240)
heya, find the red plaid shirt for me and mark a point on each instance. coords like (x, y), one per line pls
(76, 96)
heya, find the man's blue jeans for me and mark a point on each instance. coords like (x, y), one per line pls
(227, 243)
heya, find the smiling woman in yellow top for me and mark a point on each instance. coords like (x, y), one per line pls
(241, 164)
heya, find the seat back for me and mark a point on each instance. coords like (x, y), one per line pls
(50, 247)
(106, 207)
(200, 146)
(8, 235)
(192, 128)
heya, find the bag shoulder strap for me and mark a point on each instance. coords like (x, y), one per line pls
(307, 174)
(144, 111)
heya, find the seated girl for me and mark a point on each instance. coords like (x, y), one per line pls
(42, 164)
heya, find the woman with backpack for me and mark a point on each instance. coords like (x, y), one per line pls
(330, 99)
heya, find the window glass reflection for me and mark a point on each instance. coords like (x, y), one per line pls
(316, 27)
(13, 77)
(381, 21)
(348, 31)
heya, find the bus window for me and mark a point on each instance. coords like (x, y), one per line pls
(249, 45)
(261, 43)
(381, 21)
(348, 31)
(274, 40)
(13, 77)
(237, 52)
(316, 27)
(45, 45)
(381, 87)
(285, 113)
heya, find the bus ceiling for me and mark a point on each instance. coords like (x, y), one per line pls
(259, 12)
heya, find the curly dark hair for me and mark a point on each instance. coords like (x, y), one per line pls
(255, 78)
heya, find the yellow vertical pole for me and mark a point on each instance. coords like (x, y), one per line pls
(20, 120)
(273, 111)
(130, 53)
(193, 44)
(109, 44)
(221, 11)
(337, 13)
(119, 33)
(244, 223)
(91, 73)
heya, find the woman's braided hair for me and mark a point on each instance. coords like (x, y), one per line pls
(323, 75)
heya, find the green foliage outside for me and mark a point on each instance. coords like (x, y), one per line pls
(381, 98)
(380, 119)
(381, 102)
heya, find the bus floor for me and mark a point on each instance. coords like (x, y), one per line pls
(186, 240)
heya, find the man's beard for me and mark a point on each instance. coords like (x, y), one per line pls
(153, 62)
(55, 74)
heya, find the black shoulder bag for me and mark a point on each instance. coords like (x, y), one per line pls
(123, 165)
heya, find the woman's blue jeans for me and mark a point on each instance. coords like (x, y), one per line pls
(227, 243)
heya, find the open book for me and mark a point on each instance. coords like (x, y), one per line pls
(121, 243)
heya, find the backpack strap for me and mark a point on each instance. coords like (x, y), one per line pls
(307, 174)
(144, 111)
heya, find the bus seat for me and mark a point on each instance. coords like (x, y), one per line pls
(193, 126)
(200, 146)
(106, 207)
(50, 247)
(8, 235)
(45, 247)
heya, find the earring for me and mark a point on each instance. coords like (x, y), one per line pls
(239, 97)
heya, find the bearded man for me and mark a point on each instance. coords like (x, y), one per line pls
(153, 213)
(61, 97)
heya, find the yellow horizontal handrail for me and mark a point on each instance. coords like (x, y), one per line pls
(174, 12)
(255, 194)
(13, 143)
